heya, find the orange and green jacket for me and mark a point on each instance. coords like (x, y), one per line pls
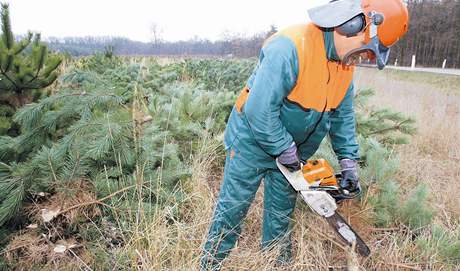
(299, 92)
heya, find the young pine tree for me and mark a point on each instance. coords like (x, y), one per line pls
(26, 66)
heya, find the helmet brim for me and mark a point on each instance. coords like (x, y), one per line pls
(335, 13)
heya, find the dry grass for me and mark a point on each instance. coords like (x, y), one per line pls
(35, 246)
(447, 83)
(433, 155)
(76, 193)
(30, 250)
(165, 244)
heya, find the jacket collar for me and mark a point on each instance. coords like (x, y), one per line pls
(331, 53)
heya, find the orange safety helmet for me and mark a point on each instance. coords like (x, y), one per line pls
(395, 19)
(384, 23)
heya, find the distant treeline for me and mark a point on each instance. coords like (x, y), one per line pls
(434, 35)
(232, 46)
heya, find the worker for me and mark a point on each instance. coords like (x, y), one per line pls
(300, 91)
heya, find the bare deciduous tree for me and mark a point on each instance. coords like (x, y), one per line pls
(157, 34)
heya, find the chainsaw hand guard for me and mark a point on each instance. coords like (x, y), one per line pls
(342, 194)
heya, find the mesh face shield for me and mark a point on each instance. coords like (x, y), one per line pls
(374, 48)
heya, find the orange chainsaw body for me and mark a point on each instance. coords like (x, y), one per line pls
(319, 170)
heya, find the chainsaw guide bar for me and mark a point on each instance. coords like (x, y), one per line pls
(347, 234)
(318, 187)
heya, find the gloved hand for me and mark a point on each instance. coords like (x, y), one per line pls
(290, 158)
(350, 181)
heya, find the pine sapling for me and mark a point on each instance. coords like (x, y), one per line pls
(26, 67)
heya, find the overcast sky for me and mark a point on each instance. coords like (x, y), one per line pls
(178, 19)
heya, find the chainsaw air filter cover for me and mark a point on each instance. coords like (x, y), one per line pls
(320, 172)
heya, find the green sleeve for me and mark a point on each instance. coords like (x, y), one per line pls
(271, 82)
(343, 129)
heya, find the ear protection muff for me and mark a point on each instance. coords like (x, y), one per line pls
(352, 27)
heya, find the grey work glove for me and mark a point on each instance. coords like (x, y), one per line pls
(290, 158)
(350, 181)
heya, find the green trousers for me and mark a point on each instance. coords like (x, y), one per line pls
(240, 184)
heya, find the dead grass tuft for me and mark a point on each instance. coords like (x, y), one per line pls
(32, 251)
(75, 194)
(48, 243)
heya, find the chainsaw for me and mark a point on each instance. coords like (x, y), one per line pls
(319, 188)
